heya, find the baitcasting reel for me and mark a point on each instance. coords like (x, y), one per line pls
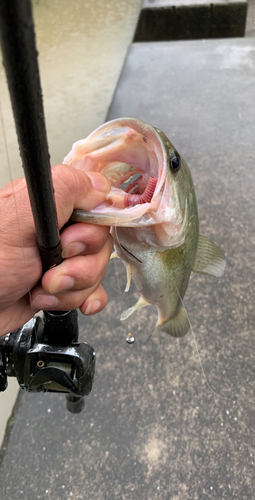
(43, 366)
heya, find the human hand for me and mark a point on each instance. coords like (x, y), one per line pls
(86, 249)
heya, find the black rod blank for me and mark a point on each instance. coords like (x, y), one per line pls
(20, 61)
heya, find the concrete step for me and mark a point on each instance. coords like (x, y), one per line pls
(190, 19)
(152, 428)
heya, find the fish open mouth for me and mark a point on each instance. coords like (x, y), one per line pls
(132, 156)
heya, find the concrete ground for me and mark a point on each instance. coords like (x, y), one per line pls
(171, 418)
(152, 427)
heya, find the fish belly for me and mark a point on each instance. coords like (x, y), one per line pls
(143, 266)
(161, 279)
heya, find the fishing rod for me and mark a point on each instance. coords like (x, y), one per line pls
(44, 354)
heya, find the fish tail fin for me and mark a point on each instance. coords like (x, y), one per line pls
(177, 326)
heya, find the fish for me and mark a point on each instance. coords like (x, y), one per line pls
(153, 215)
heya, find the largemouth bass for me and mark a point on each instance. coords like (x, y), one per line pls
(152, 211)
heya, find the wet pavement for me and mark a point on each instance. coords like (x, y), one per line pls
(170, 418)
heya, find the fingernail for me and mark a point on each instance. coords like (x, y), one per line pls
(61, 283)
(44, 302)
(73, 249)
(93, 307)
(99, 182)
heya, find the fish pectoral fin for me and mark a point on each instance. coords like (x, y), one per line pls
(177, 326)
(129, 274)
(140, 303)
(209, 258)
(114, 255)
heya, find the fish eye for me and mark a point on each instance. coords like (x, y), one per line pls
(174, 161)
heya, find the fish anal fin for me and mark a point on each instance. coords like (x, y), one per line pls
(140, 303)
(177, 326)
(209, 258)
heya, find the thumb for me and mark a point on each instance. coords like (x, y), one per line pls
(74, 188)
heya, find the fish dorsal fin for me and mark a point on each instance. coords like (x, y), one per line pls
(209, 258)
